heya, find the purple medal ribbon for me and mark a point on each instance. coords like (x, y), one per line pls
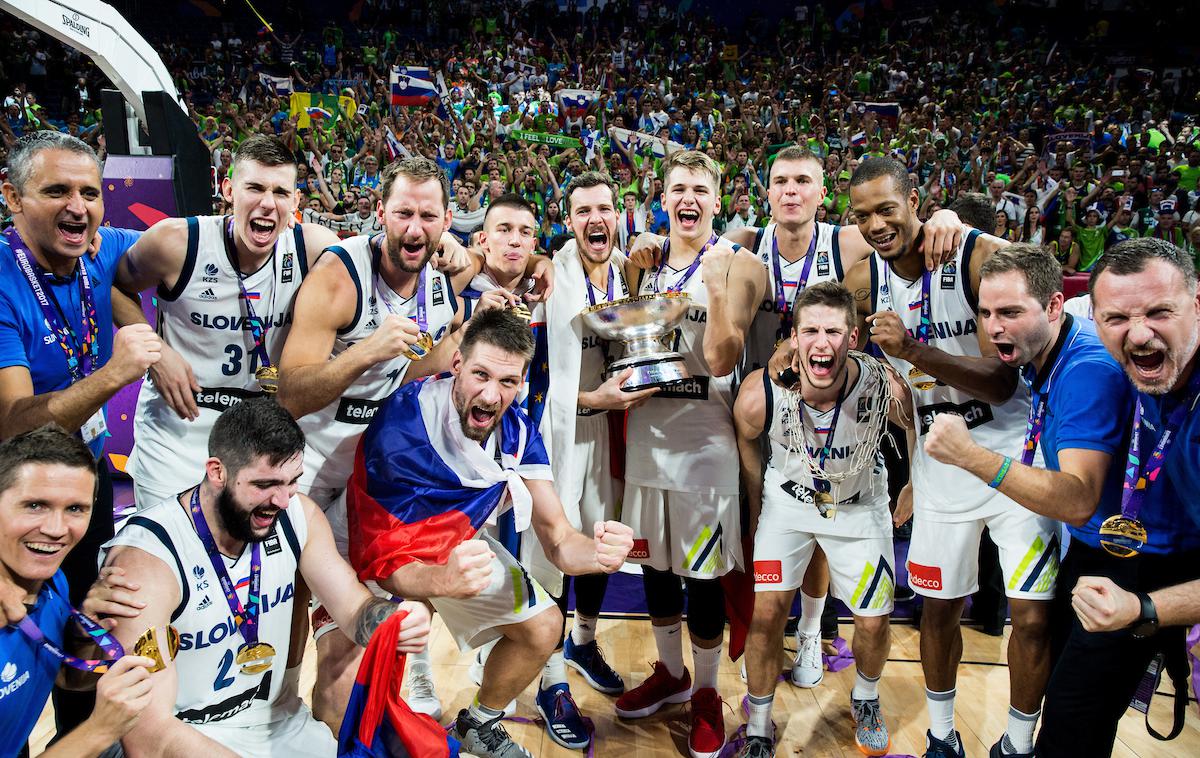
(258, 327)
(81, 358)
(923, 329)
(782, 306)
(691, 269)
(422, 307)
(1037, 408)
(109, 644)
(246, 618)
(821, 485)
(608, 293)
(1136, 480)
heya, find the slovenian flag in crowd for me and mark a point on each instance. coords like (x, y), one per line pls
(412, 85)
(575, 102)
(280, 85)
(857, 140)
(889, 113)
(420, 487)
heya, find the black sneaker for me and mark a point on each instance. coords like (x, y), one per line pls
(486, 739)
(757, 747)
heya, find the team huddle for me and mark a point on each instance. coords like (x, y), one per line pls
(394, 422)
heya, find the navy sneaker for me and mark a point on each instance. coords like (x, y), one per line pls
(589, 661)
(935, 748)
(998, 751)
(564, 723)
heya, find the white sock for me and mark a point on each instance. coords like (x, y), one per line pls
(669, 641)
(1020, 730)
(810, 614)
(706, 661)
(865, 687)
(584, 629)
(482, 713)
(758, 723)
(419, 659)
(555, 670)
(941, 714)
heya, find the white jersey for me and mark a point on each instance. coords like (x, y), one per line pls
(212, 687)
(682, 437)
(945, 492)
(332, 433)
(205, 318)
(767, 328)
(597, 352)
(861, 501)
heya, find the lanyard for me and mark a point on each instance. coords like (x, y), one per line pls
(822, 485)
(608, 293)
(81, 358)
(246, 617)
(1037, 408)
(97, 633)
(258, 327)
(1138, 480)
(782, 306)
(691, 269)
(422, 307)
(923, 329)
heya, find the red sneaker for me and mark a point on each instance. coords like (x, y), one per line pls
(658, 690)
(708, 724)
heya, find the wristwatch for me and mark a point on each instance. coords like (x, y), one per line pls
(1147, 623)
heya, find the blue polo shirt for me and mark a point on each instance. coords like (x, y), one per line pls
(24, 338)
(27, 670)
(1089, 407)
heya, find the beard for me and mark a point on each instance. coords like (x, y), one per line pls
(394, 246)
(236, 521)
(464, 408)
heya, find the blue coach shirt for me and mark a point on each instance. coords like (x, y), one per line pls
(1090, 406)
(27, 670)
(1171, 509)
(24, 338)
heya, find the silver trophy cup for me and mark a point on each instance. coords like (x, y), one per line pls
(643, 323)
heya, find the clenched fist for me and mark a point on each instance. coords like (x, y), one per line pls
(889, 333)
(948, 439)
(135, 349)
(394, 335)
(714, 266)
(469, 570)
(614, 540)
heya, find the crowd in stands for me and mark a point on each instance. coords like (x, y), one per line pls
(1075, 151)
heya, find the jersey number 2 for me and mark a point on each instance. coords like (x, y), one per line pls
(223, 679)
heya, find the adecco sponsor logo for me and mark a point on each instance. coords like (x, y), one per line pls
(768, 572)
(925, 577)
(641, 549)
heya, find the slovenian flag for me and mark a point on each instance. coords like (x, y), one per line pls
(252, 295)
(857, 140)
(412, 85)
(575, 102)
(889, 113)
(394, 148)
(280, 85)
(420, 487)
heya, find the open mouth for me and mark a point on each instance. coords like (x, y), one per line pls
(262, 231)
(688, 219)
(482, 418)
(597, 240)
(1006, 350)
(73, 232)
(820, 366)
(44, 548)
(884, 242)
(263, 518)
(1147, 362)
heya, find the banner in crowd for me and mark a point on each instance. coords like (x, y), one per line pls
(334, 86)
(315, 105)
(638, 142)
(575, 102)
(889, 112)
(412, 85)
(542, 138)
(1078, 141)
(280, 85)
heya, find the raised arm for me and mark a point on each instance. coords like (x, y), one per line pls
(571, 551)
(749, 419)
(735, 283)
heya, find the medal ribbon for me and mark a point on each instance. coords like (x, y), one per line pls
(609, 292)
(246, 618)
(691, 269)
(782, 306)
(1138, 480)
(258, 327)
(95, 632)
(822, 485)
(422, 307)
(924, 328)
(1037, 407)
(81, 358)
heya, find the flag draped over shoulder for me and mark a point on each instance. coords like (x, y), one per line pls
(420, 487)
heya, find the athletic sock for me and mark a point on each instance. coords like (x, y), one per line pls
(555, 670)
(941, 714)
(419, 659)
(481, 713)
(810, 614)
(865, 687)
(758, 723)
(1018, 737)
(706, 662)
(669, 641)
(584, 629)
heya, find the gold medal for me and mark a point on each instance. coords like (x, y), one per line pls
(924, 383)
(522, 312)
(420, 348)
(268, 379)
(147, 645)
(256, 658)
(1121, 536)
(825, 504)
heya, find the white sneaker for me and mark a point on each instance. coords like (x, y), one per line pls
(422, 697)
(807, 670)
(476, 673)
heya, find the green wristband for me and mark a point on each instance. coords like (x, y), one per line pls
(995, 483)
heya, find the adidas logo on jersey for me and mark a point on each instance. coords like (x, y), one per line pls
(205, 602)
(208, 294)
(210, 274)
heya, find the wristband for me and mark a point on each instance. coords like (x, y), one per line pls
(995, 483)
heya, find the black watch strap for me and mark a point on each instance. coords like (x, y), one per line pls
(1147, 623)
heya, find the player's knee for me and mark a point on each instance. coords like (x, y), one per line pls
(939, 612)
(1030, 618)
(873, 627)
(770, 610)
(542, 632)
(336, 653)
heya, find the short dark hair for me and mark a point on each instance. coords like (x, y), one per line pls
(49, 445)
(590, 179)
(1042, 271)
(510, 200)
(498, 328)
(873, 168)
(1131, 256)
(252, 428)
(20, 156)
(975, 209)
(831, 294)
(416, 169)
(262, 148)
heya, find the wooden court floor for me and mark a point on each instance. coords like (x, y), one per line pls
(812, 723)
